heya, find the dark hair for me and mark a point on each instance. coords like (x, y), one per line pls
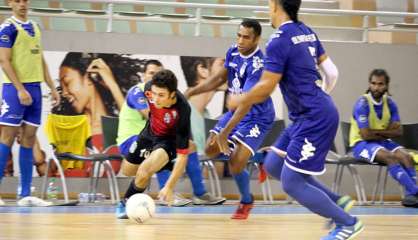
(189, 67)
(152, 62)
(379, 73)
(124, 68)
(165, 79)
(254, 24)
(291, 7)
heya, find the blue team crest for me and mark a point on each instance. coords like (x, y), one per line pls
(236, 85)
(258, 64)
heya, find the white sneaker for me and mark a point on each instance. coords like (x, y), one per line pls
(2, 203)
(179, 201)
(33, 202)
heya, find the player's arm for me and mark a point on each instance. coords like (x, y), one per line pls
(6, 65)
(48, 80)
(138, 100)
(327, 66)
(183, 134)
(259, 93)
(370, 135)
(214, 81)
(394, 130)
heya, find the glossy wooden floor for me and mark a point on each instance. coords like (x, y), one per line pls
(193, 226)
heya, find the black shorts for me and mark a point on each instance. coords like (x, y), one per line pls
(146, 143)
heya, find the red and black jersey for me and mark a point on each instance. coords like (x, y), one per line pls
(171, 122)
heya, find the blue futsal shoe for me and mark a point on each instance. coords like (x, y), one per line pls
(121, 211)
(345, 232)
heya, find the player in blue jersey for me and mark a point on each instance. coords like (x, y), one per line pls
(292, 57)
(24, 69)
(242, 70)
(375, 120)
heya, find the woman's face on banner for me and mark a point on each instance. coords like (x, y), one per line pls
(75, 88)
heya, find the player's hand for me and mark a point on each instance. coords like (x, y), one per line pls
(233, 101)
(222, 141)
(98, 66)
(166, 194)
(24, 97)
(56, 98)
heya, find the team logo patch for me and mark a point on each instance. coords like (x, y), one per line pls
(308, 150)
(363, 118)
(4, 108)
(254, 132)
(5, 38)
(141, 100)
(365, 154)
(257, 64)
(167, 118)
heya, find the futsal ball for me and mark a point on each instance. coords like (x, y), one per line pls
(140, 207)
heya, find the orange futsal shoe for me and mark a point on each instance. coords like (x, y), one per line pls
(243, 211)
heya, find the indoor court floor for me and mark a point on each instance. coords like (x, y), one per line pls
(282, 221)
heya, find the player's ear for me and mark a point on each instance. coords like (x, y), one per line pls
(173, 94)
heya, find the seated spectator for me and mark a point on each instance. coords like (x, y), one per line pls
(374, 122)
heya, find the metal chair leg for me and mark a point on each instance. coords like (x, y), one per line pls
(216, 179)
(376, 186)
(382, 190)
(334, 183)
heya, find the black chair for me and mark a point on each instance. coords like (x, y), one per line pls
(346, 161)
(349, 160)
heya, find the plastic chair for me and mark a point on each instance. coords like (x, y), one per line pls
(62, 131)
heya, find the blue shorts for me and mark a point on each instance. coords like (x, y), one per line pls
(126, 145)
(307, 143)
(367, 150)
(12, 113)
(249, 132)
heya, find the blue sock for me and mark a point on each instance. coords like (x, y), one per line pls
(400, 175)
(296, 185)
(162, 177)
(4, 156)
(413, 175)
(195, 174)
(273, 164)
(25, 164)
(243, 181)
(314, 182)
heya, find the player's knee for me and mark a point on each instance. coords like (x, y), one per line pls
(407, 160)
(236, 167)
(287, 186)
(273, 164)
(28, 140)
(391, 159)
(142, 178)
(211, 151)
(144, 173)
(8, 138)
